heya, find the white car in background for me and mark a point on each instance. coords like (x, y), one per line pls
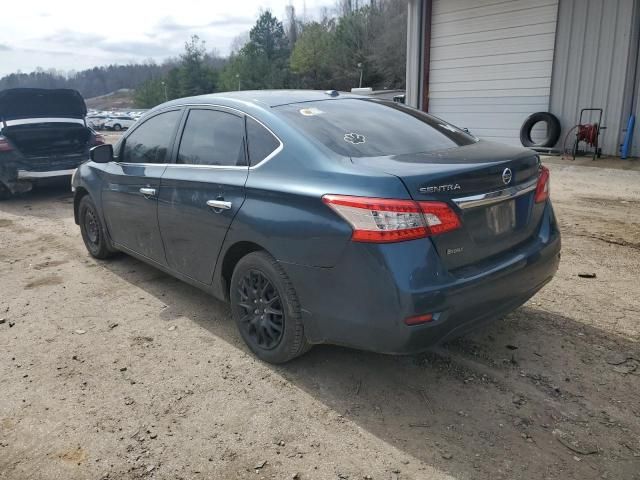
(119, 123)
(96, 121)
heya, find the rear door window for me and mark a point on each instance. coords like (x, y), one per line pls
(262, 142)
(151, 142)
(212, 137)
(371, 128)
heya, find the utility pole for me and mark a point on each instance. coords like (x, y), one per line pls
(361, 69)
(164, 86)
(238, 77)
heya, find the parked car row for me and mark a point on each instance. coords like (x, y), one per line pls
(113, 120)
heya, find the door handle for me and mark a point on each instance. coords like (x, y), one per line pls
(148, 192)
(219, 204)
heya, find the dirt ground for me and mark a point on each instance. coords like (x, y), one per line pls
(116, 370)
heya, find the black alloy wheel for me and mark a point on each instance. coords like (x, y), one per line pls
(266, 310)
(263, 318)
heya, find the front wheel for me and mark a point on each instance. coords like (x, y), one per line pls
(266, 310)
(92, 230)
(117, 127)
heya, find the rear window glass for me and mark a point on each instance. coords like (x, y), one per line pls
(373, 128)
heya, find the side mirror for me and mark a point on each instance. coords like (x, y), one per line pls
(102, 153)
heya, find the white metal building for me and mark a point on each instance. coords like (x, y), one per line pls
(486, 65)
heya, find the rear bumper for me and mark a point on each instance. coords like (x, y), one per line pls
(471, 304)
(19, 174)
(31, 175)
(362, 302)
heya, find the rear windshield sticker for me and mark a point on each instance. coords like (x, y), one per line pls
(310, 112)
(354, 138)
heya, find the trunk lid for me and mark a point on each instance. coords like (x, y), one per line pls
(461, 177)
(22, 103)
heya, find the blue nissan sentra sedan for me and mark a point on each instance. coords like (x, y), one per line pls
(325, 217)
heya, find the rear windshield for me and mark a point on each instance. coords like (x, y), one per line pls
(373, 128)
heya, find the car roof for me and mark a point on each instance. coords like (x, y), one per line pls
(263, 98)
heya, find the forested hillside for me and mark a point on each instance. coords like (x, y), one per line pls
(91, 83)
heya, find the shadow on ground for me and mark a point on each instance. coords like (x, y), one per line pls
(536, 395)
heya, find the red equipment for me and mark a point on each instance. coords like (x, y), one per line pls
(588, 133)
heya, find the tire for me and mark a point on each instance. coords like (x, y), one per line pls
(275, 335)
(553, 130)
(117, 127)
(92, 230)
(5, 193)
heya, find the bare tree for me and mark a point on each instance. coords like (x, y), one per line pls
(291, 25)
(239, 41)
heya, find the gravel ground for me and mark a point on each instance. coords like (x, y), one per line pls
(116, 370)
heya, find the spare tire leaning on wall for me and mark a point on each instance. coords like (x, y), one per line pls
(553, 130)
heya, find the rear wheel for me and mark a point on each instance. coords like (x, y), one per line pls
(92, 229)
(117, 127)
(266, 310)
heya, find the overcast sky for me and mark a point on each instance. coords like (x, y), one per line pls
(79, 34)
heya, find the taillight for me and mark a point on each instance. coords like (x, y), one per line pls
(418, 319)
(5, 146)
(439, 217)
(383, 220)
(542, 188)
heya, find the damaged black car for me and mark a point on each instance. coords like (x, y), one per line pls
(43, 135)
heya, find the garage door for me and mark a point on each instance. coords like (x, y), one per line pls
(490, 63)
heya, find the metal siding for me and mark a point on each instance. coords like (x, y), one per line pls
(590, 65)
(491, 63)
